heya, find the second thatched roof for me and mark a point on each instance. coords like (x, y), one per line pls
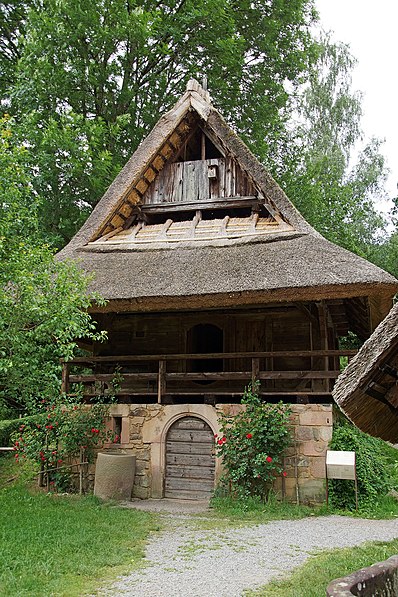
(367, 391)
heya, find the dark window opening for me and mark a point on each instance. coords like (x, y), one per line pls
(176, 216)
(219, 214)
(206, 214)
(205, 338)
(117, 429)
(192, 149)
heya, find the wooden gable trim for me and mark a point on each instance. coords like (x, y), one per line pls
(133, 196)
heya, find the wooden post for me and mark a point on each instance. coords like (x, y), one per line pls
(323, 329)
(65, 378)
(40, 478)
(161, 381)
(255, 369)
(81, 456)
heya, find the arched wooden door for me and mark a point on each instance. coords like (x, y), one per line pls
(190, 460)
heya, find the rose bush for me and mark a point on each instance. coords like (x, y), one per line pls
(252, 444)
(60, 432)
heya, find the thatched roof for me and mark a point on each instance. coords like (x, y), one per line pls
(367, 391)
(288, 261)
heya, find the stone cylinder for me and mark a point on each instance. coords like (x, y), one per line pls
(114, 476)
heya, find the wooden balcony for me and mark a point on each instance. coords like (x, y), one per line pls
(183, 377)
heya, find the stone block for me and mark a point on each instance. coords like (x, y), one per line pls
(317, 467)
(141, 481)
(141, 467)
(143, 454)
(135, 436)
(135, 429)
(137, 421)
(313, 448)
(140, 492)
(138, 412)
(311, 491)
(305, 433)
(294, 419)
(312, 417)
(323, 433)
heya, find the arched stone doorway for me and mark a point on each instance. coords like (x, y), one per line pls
(190, 460)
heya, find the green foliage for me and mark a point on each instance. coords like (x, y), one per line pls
(372, 472)
(259, 510)
(43, 302)
(316, 169)
(9, 426)
(61, 432)
(90, 79)
(66, 546)
(252, 443)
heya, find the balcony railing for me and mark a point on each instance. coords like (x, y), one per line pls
(159, 377)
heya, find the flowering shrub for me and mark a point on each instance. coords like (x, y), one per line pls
(59, 433)
(252, 443)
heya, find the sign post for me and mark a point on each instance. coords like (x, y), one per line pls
(341, 465)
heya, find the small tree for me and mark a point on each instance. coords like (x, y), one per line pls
(43, 302)
(252, 443)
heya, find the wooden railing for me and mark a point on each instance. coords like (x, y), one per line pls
(160, 382)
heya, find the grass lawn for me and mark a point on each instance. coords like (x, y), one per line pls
(54, 545)
(311, 579)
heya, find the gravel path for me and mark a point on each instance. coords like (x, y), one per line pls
(184, 562)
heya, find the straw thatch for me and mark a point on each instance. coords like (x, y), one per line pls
(367, 391)
(295, 263)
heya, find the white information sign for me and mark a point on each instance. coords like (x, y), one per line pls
(340, 465)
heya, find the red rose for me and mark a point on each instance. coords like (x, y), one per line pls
(223, 439)
(220, 442)
(249, 436)
(59, 461)
(284, 473)
(215, 436)
(268, 459)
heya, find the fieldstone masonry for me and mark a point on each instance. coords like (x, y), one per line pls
(145, 426)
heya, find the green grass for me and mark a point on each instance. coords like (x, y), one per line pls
(64, 545)
(311, 579)
(256, 511)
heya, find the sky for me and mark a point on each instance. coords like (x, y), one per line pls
(370, 29)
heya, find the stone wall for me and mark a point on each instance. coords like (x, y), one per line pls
(145, 426)
(380, 579)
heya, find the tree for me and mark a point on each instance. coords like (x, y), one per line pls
(43, 303)
(93, 77)
(315, 166)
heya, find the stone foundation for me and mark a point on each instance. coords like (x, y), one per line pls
(145, 426)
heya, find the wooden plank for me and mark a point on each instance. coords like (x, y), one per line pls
(189, 484)
(109, 377)
(190, 472)
(217, 355)
(183, 205)
(161, 381)
(187, 495)
(190, 423)
(199, 460)
(205, 448)
(182, 435)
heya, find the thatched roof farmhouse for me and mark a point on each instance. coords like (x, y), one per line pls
(214, 279)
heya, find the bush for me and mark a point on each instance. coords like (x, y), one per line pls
(372, 468)
(10, 426)
(252, 444)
